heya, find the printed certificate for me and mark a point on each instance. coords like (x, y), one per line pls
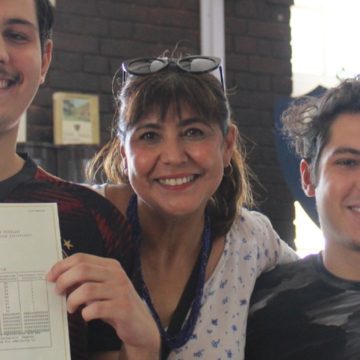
(33, 320)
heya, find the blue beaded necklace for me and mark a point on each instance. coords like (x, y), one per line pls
(183, 335)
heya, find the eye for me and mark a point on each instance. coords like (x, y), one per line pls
(149, 136)
(348, 162)
(16, 36)
(194, 133)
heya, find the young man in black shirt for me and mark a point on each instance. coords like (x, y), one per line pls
(94, 235)
(310, 309)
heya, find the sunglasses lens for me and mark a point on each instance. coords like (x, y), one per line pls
(144, 66)
(193, 64)
(198, 64)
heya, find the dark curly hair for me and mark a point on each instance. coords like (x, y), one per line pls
(45, 18)
(204, 94)
(307, 122)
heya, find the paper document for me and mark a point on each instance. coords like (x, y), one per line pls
(33, 320)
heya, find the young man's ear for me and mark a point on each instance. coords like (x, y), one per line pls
(306, 178)
(46, 59)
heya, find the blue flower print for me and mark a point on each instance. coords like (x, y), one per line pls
(199, 354)
(223, 284)
(247, 256)
(229, 354)
(215, 343)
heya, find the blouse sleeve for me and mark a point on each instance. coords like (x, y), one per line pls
(271, 249)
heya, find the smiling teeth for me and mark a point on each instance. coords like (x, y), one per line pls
(177, 181)
(4, 84)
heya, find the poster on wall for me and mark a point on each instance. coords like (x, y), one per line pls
(76, 118)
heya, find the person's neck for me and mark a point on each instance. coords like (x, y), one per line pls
(342, 262)
(171, 239)
(10, 162)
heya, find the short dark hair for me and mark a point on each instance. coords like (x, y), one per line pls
(308, 120)
(45, 18)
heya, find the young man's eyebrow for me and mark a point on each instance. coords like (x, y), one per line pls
(21, 21)
(347, 150)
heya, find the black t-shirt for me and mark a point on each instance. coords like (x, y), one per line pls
(88, 223)
(300, 311)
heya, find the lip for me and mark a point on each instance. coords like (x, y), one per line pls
(6, 84)
(7, 79)
(354, 207)
(177, 181)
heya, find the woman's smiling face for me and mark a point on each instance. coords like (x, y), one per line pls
(176, 164)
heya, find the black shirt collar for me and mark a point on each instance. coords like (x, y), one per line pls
(26, 173)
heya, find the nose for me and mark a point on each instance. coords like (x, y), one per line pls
(173, 152)
(4, 54)
(358, 180)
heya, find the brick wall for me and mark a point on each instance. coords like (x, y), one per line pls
(258, 67)
(93, 37)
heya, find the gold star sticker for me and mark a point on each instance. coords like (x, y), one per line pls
(68, 244)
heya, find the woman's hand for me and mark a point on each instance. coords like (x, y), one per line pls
(101, 288)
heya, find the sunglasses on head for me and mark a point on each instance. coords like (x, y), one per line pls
(196, 64)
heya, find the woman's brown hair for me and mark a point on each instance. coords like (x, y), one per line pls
(157, 92)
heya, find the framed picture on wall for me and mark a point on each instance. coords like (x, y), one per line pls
(76, 118)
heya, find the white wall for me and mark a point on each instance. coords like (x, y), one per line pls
(324, 42)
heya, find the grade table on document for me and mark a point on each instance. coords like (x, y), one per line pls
(24, 310)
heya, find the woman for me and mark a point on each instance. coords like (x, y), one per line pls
(174, 168)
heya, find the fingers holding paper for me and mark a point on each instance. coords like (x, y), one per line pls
(102, 289)
(87, 279)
